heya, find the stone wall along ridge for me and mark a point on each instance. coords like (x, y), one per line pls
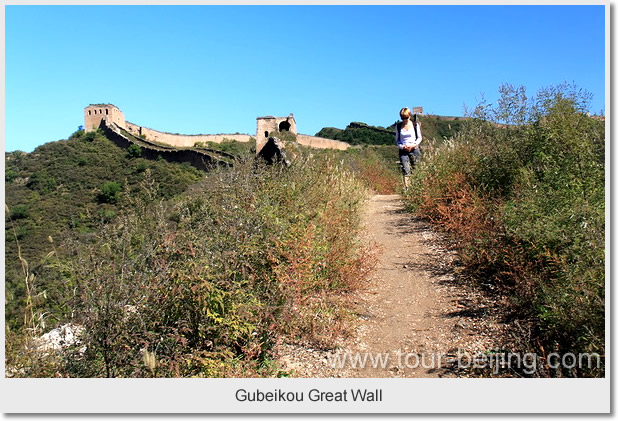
(182, 140)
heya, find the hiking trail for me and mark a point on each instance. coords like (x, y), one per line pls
(415, 318)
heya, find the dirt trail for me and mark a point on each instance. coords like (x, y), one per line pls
(415, 319)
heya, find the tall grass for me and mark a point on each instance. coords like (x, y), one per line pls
(526, 203)
(376, 166)
(208, 284)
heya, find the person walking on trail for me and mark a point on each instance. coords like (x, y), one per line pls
(408, 137)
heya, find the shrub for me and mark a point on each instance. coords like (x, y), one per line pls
(91, 135)
(110, 192)
(377, 167)
(41, 181)
(234, 147)
(208, 283)
(19, 212)
(134, 151)
(62, 194)
(10, 175)
(141, 166)
(285, 136)
(525, 203)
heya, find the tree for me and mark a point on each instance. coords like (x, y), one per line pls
(110, 192)
(134, 151)
(512, 104)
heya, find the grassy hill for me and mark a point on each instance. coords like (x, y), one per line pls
(172, 271)
(72, 185)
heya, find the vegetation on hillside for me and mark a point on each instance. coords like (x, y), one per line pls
(377, 166)
(526, 204)
(203, 282)
(230, 146)
(71, 185)
(173, 272)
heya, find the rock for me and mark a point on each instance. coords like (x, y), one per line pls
(60, 337)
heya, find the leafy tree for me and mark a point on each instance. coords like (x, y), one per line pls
(134, 151)
(110, 192)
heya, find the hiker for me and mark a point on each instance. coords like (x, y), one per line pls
(408, 137)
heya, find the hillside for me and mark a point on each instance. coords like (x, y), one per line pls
(170, 271)
(435, 129)
(75, 185)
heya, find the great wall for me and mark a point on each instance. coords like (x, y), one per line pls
(189, 148)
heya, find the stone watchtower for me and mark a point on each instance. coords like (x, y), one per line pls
(94, 113)
(267, 125)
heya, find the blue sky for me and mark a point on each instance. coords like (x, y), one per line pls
(214, 69)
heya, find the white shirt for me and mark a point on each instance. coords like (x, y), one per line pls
(407, 137)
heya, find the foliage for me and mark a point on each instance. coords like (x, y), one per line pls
(285, 136)
(359, 133)
(234, 147)
(110, 192)
(19, 212)
(207, 283)
(9, 175)
(526, 203)
(134, 151)
(59, 185)
(376, 166)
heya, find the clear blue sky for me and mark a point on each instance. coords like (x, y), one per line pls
(214, 69)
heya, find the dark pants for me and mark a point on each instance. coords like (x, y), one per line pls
(409, 159)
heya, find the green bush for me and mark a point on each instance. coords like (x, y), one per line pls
(91, 136)
(526, 201)
(19, 212)
(134, 151)
(10, 175)
(41, 181)
(110, 192)
(376, 166)
(234, 147)
(62, 183)
(285, 136)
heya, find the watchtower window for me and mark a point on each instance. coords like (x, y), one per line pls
(106, 111)
(266, 133)
(284, 126)
(89, 112)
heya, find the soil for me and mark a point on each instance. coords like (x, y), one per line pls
(416, 317)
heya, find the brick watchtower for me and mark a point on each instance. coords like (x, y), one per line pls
(267, 125)
(94, 113)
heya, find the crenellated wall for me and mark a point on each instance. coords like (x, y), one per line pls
(95, 114)
(200, 159)
(181, 140)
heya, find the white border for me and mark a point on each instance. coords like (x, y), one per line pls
(400, 395)
(219, 395)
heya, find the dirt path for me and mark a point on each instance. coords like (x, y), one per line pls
(415, 318)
